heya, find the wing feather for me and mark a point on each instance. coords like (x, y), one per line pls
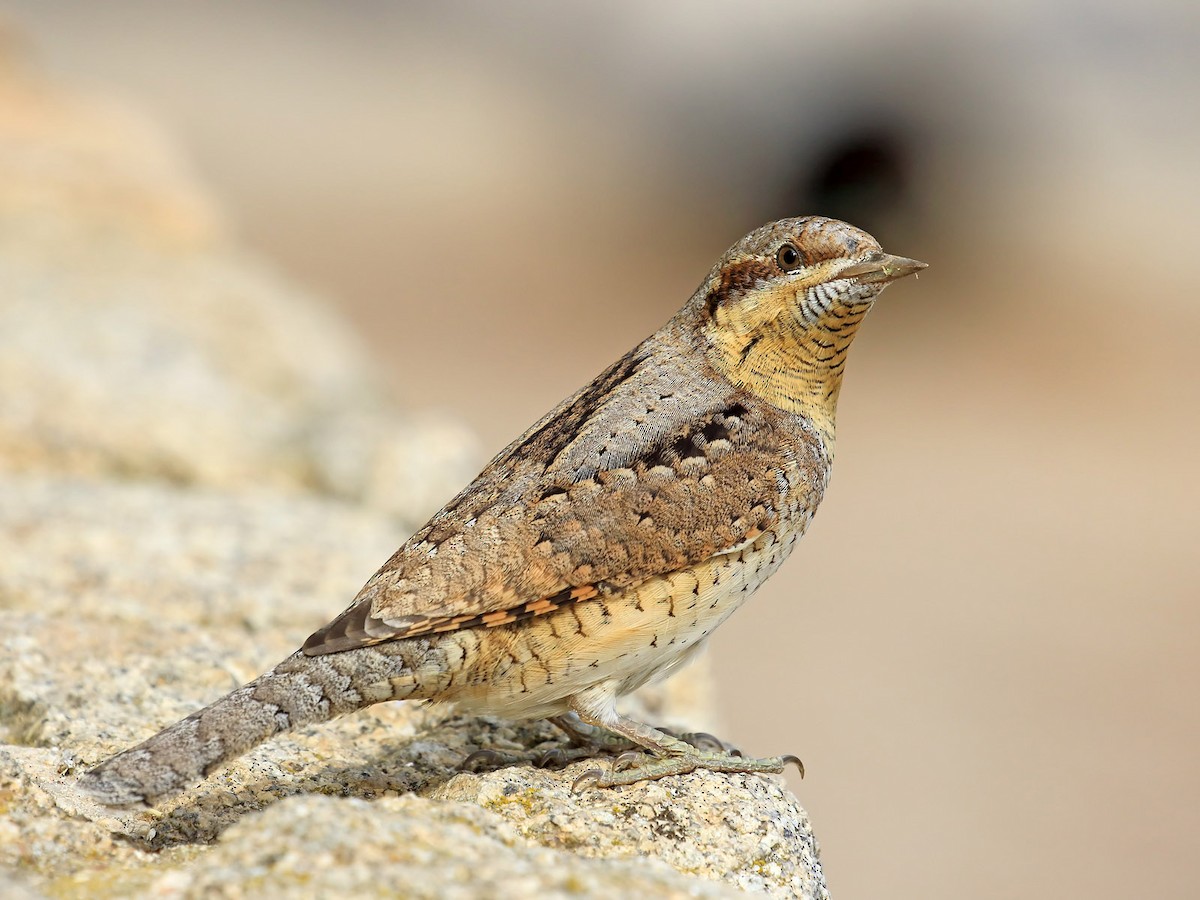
(641, 473)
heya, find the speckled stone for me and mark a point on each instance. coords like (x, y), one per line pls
(137, 340)
(412, 847)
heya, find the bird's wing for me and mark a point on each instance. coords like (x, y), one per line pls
(641, 473)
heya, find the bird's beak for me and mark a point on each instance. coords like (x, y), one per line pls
(881, 267)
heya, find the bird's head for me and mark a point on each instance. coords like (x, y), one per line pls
(780, 308)
(808, 269)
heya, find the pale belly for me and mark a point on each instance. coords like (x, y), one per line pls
(531, 669)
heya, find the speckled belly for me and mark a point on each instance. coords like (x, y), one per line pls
(532, 668)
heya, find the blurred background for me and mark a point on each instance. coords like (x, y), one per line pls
(986, 648)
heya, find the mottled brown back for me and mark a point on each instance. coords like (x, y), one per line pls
(656, 465)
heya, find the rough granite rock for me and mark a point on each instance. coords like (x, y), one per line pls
(137, 342)
(197, 468)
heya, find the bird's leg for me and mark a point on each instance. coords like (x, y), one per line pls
(669, 755)
(587, 742)
(599, 740)
(592, 737)
(554, 758)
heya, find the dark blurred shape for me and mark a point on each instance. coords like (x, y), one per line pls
(863, 176)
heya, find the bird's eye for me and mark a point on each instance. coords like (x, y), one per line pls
(789, 258)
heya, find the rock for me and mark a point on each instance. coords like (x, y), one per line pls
(740, 830)
(137, 342)
(410, 847)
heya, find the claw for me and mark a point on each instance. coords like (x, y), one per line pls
(626, 760)
(734, 751)
(485, 757)
(588, 778)
(551, 759)
(701, 739)
(796, 761)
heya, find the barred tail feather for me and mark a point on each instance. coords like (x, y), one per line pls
(299, 691)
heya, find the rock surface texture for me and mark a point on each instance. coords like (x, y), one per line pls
(198, 467)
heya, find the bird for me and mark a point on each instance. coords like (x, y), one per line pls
(600, 549)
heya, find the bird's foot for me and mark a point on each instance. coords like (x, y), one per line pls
(604, 741)
(598, 741)
(587, 742)
(554, 758)
(702, 740)
(635, 766)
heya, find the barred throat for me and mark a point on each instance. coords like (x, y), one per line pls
(793, 355)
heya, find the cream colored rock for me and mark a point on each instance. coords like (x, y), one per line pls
(746, 831)
(136, 341)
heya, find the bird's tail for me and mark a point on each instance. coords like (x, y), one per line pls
(299, 691)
